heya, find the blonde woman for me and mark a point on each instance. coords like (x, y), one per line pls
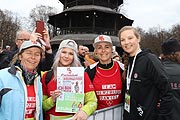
(146, 81)
(66, 56)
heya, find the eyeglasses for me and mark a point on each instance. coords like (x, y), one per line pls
(22, 40)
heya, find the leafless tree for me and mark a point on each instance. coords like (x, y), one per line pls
(155, 36)
(175, 31)
(42, 13)
(9, 24)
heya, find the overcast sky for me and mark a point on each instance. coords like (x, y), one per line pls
(153, 13)
(145, 13)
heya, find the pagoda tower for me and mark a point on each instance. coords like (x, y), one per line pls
(84, 20)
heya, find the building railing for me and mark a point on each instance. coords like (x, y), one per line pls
(110, 113)
(84, 30)
(111, 4)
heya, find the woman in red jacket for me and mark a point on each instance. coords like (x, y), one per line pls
(66, 56)
(106, 74)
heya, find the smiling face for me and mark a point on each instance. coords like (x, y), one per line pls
(104, 52)
(30, 58)
(129, 42)
(66, 57)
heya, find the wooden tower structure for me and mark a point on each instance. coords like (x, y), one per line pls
(84, 20)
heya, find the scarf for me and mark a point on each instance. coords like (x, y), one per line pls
(28, 76)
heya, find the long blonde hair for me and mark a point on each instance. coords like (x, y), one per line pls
(75, 62)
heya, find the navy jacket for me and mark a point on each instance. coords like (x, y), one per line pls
(173, 70)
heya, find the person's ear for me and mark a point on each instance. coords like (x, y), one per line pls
(20, 57)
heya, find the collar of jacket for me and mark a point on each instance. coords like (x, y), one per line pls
(12, 70)
(106, 66)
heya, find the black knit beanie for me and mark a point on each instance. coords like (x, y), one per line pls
(170, 46)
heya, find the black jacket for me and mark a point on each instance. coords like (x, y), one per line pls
(173, 70)
(5, 58)
(81, 58)
(149, 84)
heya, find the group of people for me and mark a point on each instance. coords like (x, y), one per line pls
(147, 86)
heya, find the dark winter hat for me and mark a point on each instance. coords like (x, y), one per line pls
(170, 46)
